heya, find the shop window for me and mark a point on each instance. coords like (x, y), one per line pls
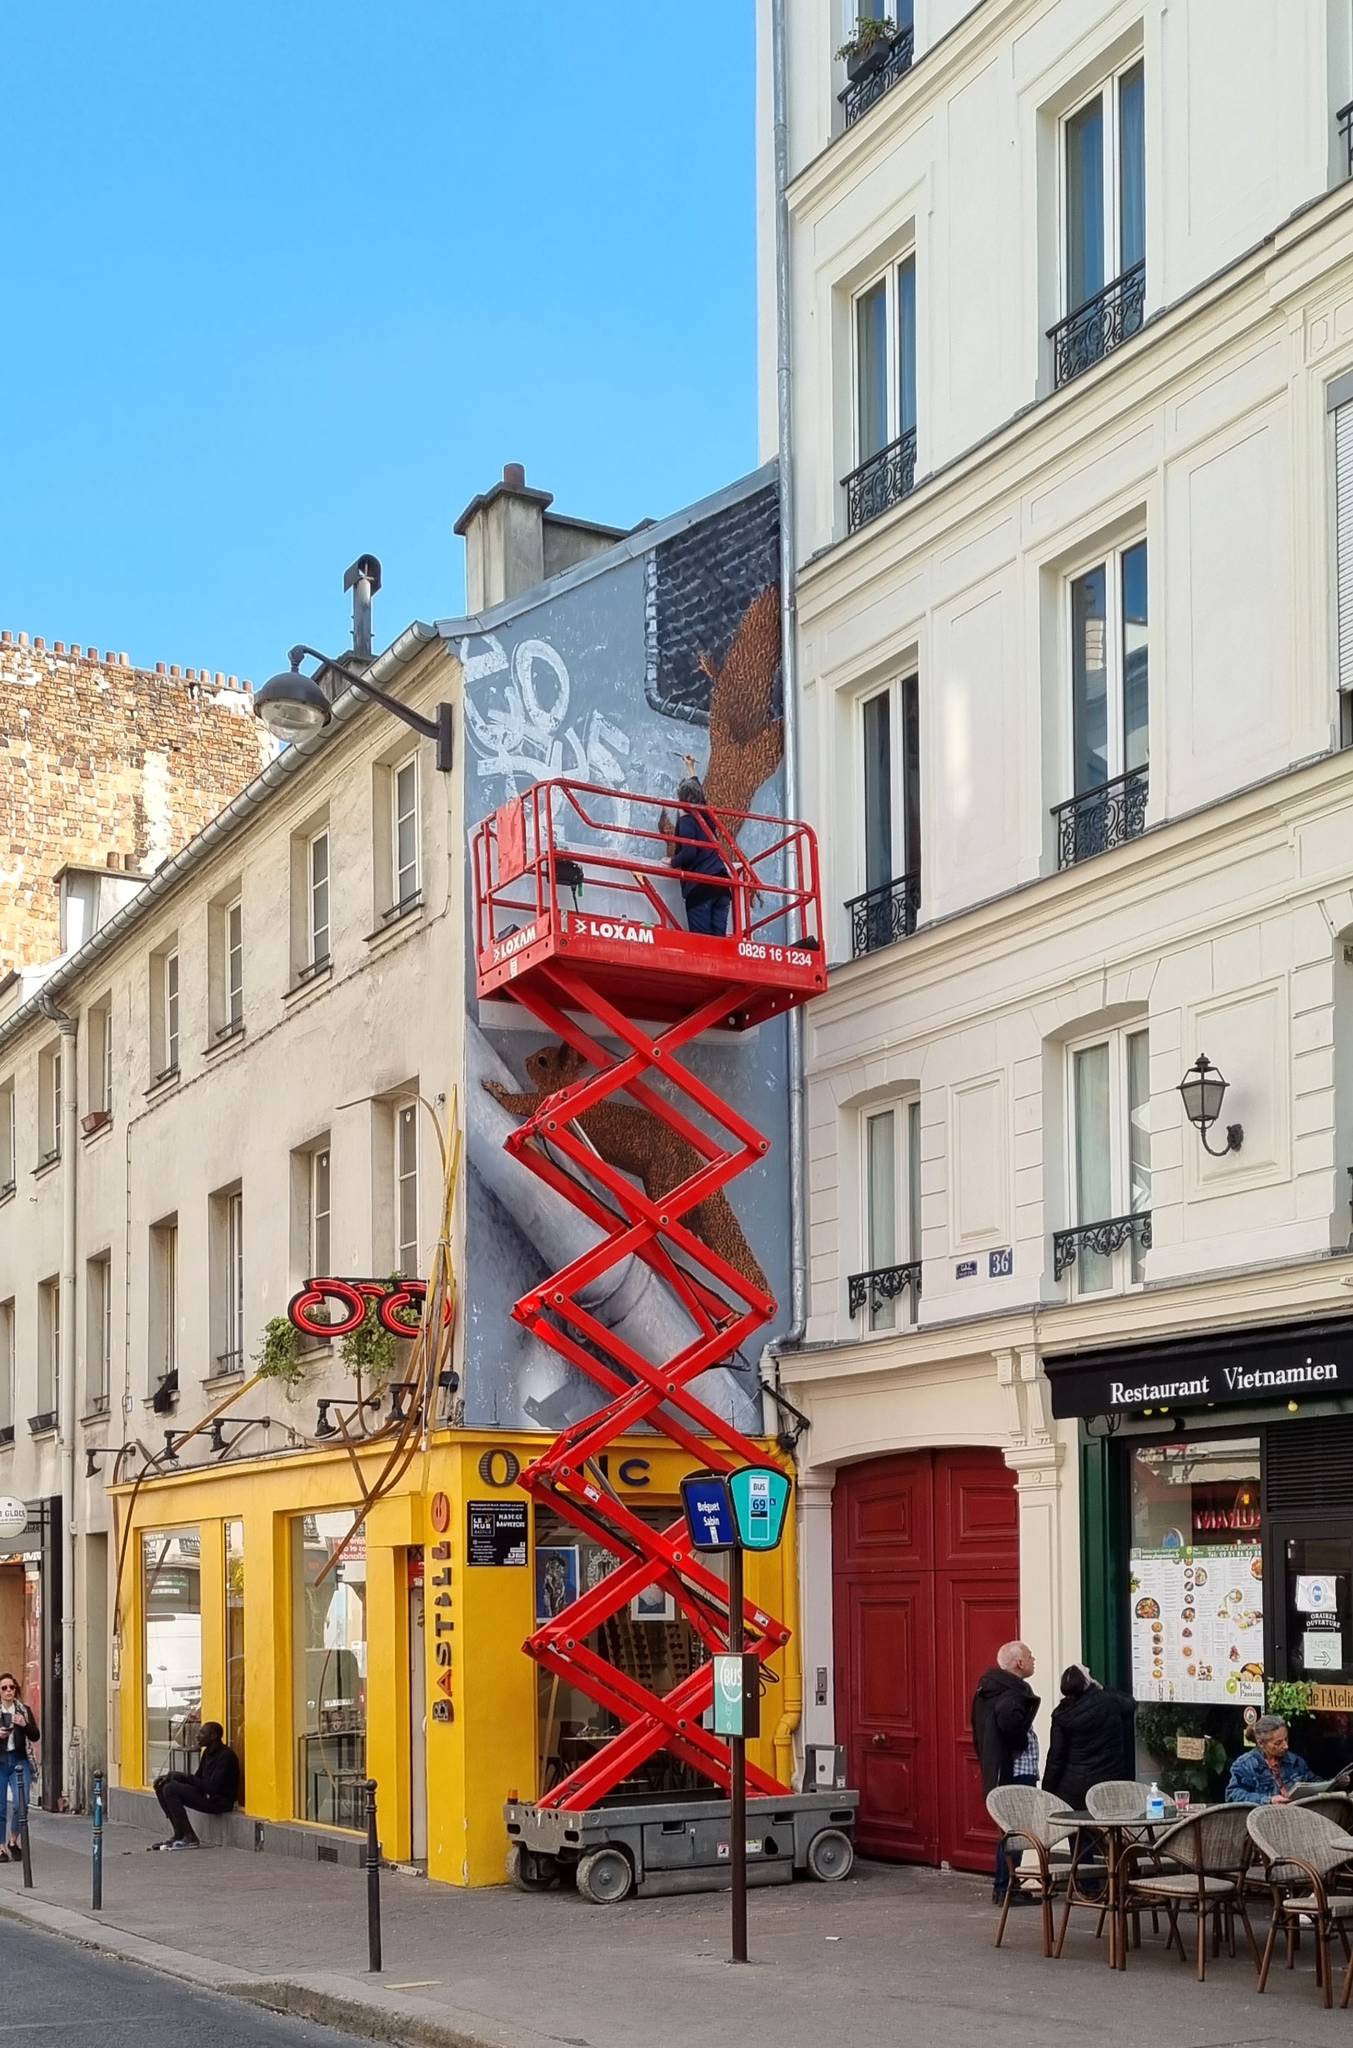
(171, 1606)
(328, 1633)
(234, 1638)
(1109, 1118)
(1195, 1605)
(1308, 1482)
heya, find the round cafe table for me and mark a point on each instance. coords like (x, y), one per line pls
(1116, 1836)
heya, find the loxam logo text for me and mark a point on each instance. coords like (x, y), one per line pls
(601, 928)
(517, 941)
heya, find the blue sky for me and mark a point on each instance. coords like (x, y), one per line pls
(292, 279)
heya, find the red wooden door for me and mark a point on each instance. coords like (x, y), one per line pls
(926, 1577)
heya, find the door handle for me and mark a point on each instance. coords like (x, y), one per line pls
(879, 1741)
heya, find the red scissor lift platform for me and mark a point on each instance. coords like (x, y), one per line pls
(578, 920)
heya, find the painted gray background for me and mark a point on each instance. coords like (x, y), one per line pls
(602, 682)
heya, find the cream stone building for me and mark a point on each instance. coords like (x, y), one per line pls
(1064, 377)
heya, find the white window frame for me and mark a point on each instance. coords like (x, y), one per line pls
(167, 1281)
(232, 1321)
(1110, 559)
(51, 1316)
(895, 691)
(321, 1215)
(1127, 1263)
(7, 1364)
(888, 276)
(401, 895)
(317, 955)
(900, 1313)
(406, 1175)
(232, 943)
(169, 971)
(8, 1136)
(99, 1330)
(106, 1026)
(1107, 90)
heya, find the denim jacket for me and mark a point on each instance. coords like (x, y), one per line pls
(1251, 1782)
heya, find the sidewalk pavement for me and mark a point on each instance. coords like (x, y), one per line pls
(892, 1954)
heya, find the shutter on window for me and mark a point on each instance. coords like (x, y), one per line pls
(1343, 538)
(1308, 1466)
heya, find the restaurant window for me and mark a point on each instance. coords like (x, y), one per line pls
(234, 1637)
(171, 1606)
(329, 1664)
(1109, 1082)
(1195, 1605)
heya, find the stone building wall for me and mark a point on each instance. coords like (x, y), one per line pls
(103, 764)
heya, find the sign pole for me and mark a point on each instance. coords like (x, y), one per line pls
(737, 1746)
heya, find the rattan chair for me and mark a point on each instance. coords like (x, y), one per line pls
(1301, 1849)
(1028, 1817)
(1118, 1799)
(1211, 1851)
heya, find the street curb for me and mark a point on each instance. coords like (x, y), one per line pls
(379, 2015)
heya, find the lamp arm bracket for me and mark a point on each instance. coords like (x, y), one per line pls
(437, 729)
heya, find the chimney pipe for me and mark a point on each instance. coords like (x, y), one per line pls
(363, 579)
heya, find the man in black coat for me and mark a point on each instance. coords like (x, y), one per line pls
(214, 1787)
(1003, 1711)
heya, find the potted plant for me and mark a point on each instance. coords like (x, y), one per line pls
(1290, 1697)
(867, 48)
(279, 1355)
(370, 1352)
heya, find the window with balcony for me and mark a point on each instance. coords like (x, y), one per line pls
(888, 788)
(1339, 400)
(1109, 1170)
(1103, 223)
(1110, 729)
(49, 1356)
(99, 1035)
(98, 1333)
(890, 1157)
(162, 1335)
(50, 1097)
(164, 1012)
(879, 61)
(227, 1290)
(883, 319)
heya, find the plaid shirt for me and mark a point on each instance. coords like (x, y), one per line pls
(1026, 1763)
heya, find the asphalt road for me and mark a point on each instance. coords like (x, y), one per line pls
(54, 1994)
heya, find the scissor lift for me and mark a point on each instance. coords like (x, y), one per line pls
(578, 920)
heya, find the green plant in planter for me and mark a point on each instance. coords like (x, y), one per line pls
(370, 1352)
(279, 1355)
(868, 33)
(1289, 1697)
(1158, 1730)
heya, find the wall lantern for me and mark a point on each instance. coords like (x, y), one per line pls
(295, 707)
(1204, 1089)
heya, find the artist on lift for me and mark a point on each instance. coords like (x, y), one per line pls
(694, 849)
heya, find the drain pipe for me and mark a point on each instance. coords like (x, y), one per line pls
(791, 1716)
(70, 1040)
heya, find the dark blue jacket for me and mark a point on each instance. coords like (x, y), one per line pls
(696, 851)
(1251, 1781)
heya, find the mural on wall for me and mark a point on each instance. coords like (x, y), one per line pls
(658, 665)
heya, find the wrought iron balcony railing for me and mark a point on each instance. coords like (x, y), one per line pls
(1104, 1238)
(881, 482)
(1089, 334)
(1101, 818)
(1344, 117)
(882, 916)
(862, 93)
(883, 1285)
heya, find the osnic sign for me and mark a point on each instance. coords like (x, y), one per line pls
(331, 1307)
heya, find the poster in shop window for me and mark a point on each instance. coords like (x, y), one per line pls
(1197, 1619)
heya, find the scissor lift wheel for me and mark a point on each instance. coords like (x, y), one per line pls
(830, 1856)
(605, 1876)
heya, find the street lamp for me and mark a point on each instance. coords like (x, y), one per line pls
(1203, 1089)
(293, 706)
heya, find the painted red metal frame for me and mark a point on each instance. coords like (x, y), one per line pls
(586, 989)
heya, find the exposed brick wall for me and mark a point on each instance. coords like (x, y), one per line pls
(97, 758)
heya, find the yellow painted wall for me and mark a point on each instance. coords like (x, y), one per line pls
(488, 1747)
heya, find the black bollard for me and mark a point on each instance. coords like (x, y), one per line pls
(25, 1850)
(373, 1882)
(96, 1898)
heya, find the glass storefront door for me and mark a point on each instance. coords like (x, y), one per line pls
(328, 1608)
(171, 1606)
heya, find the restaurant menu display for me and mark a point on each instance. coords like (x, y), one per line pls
(1197, 1619)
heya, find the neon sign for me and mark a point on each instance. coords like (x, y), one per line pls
(330, 1307)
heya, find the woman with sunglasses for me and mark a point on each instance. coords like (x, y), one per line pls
(18, 1728)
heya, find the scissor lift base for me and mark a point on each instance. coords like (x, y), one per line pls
(679, 1844)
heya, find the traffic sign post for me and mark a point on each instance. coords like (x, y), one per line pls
(733, 1513)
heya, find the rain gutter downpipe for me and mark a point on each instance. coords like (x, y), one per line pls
(70, 1039)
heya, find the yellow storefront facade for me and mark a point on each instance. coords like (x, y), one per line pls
(397, 1656)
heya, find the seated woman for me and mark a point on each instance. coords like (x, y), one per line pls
(1266, 1774)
